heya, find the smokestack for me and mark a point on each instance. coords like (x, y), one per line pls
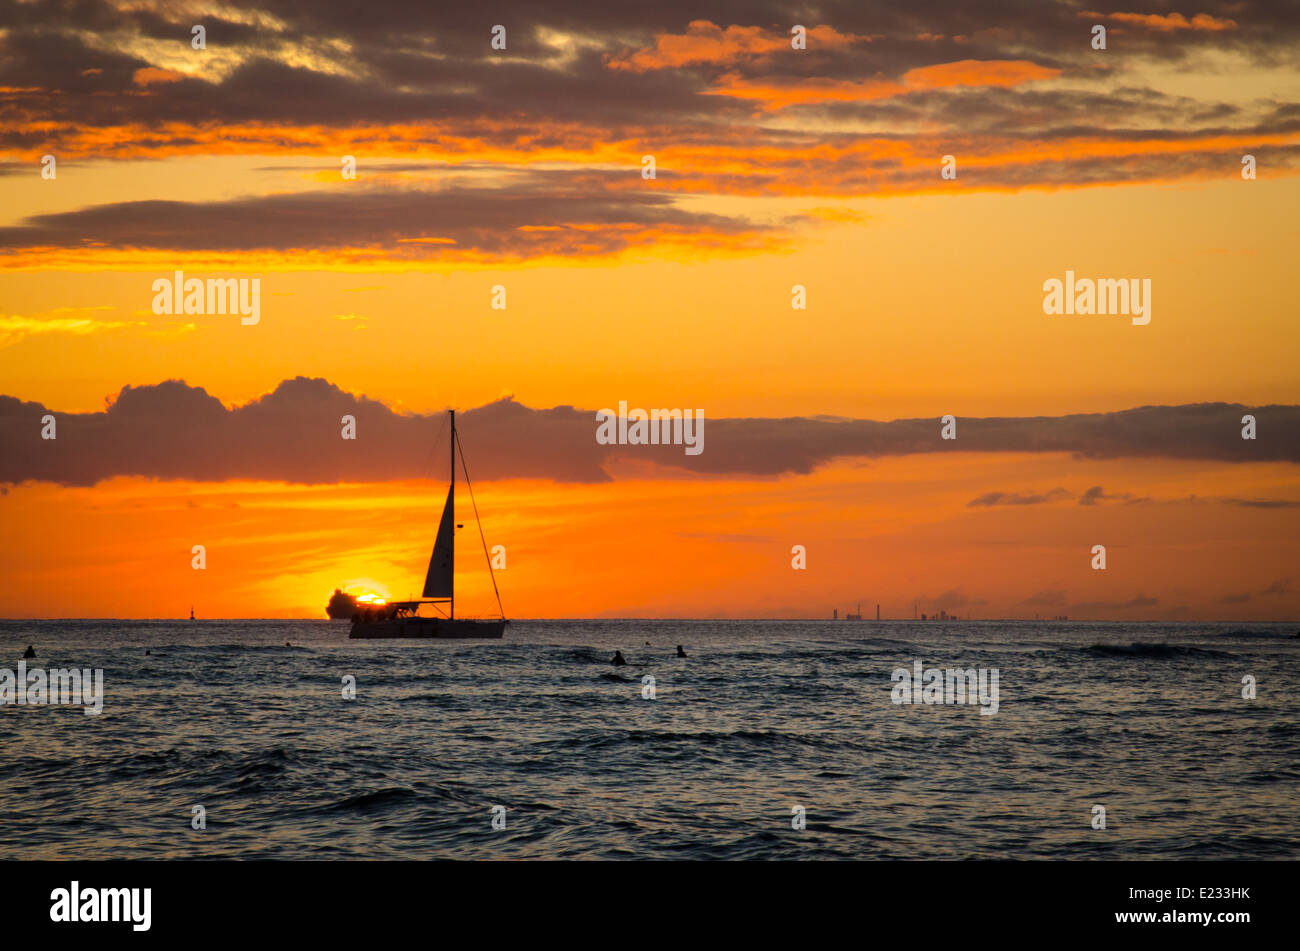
(877, 612)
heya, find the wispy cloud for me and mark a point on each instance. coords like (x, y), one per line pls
(15, 328)
(1166, 23)
(1018, 498)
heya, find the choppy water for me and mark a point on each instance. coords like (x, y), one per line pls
(1145, 719)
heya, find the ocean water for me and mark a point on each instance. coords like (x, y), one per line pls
(1145, 720)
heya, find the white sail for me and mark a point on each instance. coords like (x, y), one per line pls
(437, 583)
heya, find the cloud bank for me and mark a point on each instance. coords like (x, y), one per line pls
(172, 430)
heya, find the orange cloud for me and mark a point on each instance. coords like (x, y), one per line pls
(774, 96)
(151, 74)
(975, 72)
(705, 42)
(966, 72)
(477, 140)
(737, 161)
(1169, 22)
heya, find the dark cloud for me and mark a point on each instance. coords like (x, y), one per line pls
(69, 69)
(175, 431)
(951, 600)
(1018, 498)
(1096, 494)
(1045, 599)
(457, 219)
(1102, 607)
(1280, 587)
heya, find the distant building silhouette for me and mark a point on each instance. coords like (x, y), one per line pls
(341, 606)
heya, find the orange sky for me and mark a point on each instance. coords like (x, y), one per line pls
(774, 168)
(890, 532)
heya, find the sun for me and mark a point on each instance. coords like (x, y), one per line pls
(366, 591)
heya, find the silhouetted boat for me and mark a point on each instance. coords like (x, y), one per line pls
(403, 618)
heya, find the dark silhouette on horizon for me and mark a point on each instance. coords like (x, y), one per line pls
(342, 606)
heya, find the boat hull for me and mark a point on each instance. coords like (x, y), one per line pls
(427, 628)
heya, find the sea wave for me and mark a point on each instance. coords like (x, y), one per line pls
(1163, 651)
(762, 717)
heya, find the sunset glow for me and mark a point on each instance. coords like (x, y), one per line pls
(774, 166)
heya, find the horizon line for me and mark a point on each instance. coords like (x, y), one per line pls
(882, 620)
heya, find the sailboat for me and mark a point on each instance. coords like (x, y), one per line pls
(403, 618)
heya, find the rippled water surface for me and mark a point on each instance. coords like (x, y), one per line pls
(1147, 720)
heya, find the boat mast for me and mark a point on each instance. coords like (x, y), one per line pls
(470, 485)
(451, 500)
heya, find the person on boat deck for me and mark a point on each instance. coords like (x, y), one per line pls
(30, 653)
(619, 660)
